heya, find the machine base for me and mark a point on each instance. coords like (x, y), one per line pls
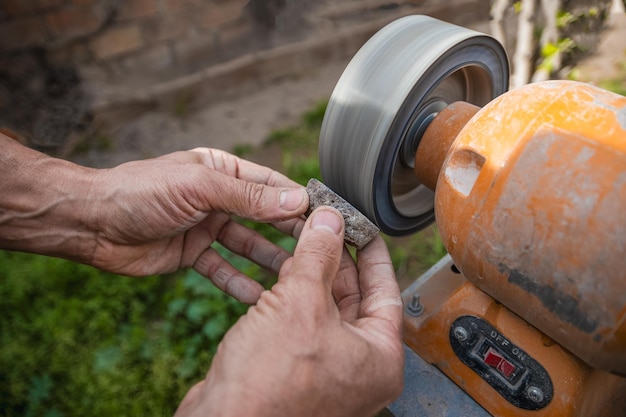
(468, 355)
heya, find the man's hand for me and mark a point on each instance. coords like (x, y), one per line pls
(148, 217)
(325, 341)
(162, 214)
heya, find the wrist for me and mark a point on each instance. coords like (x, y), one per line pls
(266, 394)
(234, 400)
(44, 204)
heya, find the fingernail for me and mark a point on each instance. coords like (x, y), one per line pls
(325, 219)
(291, 199)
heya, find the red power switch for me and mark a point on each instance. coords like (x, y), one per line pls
(495, 360)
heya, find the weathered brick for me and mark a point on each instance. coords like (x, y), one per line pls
(173, 26)
(20, 7)
(211, 17)
(177, 4)
(22, 33)
(116, 42)
(234, 32)
(217, 15)
(150, 60)
(134, 9)
(75, 52)
(74, 22)
(195, 52)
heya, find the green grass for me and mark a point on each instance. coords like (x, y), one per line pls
(76, 341)
(617, 85)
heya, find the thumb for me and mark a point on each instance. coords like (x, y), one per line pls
(254, 201)
(318, 253)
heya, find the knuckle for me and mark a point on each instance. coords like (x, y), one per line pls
(254, 194)
(319, 258)
(349, 300)
(323, 250)
(277, 260)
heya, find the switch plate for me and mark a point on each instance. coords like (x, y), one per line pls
(512, 372)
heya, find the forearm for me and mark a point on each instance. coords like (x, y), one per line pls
(44, 204)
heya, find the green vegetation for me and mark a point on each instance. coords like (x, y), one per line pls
(618, 84)
(298, 146)
(76, 341)
(182, 104)
(96, 141)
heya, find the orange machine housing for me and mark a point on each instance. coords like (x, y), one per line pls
(530, 201)
(531, 205)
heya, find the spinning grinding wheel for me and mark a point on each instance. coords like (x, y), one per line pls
(388, 94)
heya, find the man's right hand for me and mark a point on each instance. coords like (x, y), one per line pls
(325, 341)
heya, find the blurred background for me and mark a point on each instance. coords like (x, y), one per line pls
(101, 82)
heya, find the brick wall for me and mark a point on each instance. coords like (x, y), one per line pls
(64, 61)
(152, 37)
(51, 49)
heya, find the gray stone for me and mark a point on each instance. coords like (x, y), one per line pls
(359, 229)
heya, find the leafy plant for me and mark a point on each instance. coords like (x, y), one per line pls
(77, 341)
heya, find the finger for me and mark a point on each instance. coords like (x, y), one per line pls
(250, 200)
(286, 269)
(291, 227)
(236, 167)
(235, 237)
(227, 278)
(379, 288)
(318, 252)
(232, 165)
(346, 289)
(236, 186)
(253, 246)
(200, 237)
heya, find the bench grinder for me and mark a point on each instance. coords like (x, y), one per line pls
(526, 316)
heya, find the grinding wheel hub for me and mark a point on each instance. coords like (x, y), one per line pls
(383, 102)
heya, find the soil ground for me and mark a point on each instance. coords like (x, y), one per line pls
(248, 120)
(244, 120)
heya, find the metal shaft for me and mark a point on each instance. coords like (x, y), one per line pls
(437, 140)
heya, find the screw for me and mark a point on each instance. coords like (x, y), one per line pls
(415, 308)
(535, 394)
(460, 333)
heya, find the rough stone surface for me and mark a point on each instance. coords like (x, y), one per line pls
(359, 229)
(117, 42)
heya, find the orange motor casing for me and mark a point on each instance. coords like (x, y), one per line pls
(531, 204)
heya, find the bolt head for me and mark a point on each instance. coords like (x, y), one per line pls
(460, 333)
(535, 394)
(414, 307)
